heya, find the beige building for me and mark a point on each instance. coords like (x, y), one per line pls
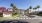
(10, 9)
(7, 14)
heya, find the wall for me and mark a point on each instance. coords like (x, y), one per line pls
(7, 15)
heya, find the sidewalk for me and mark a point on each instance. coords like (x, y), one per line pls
(16, 16)
(5, 18)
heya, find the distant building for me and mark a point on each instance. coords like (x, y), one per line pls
(21, 11)
(10, 9)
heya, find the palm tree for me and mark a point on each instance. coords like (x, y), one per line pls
(34, 8)
(30, 8)
(14, 8)
(12, 5)
(38, 7)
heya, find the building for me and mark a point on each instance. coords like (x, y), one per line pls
(10, 9)
(2, 9)
(7, 14)
(21, 11)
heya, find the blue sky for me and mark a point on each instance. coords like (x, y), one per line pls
(21, 4)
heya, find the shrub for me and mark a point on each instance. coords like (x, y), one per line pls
(40, 14)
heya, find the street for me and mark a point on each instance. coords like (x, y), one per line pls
(27, 19)
(24, 19)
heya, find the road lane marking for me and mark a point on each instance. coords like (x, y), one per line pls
(21, 18)
(26, 18)
(18, 18)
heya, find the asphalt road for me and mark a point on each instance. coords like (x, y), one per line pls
(24, 18)
(27, 19)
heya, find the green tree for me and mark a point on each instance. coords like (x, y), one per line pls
(40, 13)
(38, 6)
(12, 5)
(30, 7)
(34, 8)
(14, 8)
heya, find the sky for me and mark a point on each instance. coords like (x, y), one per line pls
(21, 4)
